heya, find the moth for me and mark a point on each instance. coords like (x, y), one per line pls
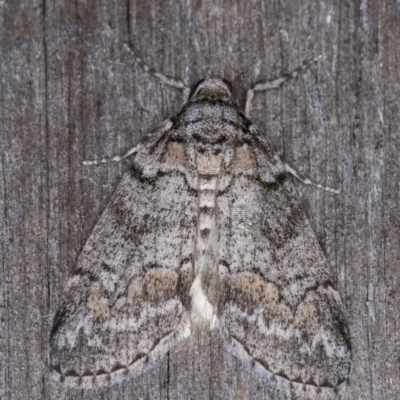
(205, 231)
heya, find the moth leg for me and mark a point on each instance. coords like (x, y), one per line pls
(164, 79)
(259, 87)
(165, 127)
(306, 181)
(112, 159)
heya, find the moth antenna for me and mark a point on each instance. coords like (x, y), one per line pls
(259, 87)
(164, 79)
(306, 181)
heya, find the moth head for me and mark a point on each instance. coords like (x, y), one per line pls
(213, 89)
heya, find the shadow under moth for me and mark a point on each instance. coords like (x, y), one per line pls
(204, 231)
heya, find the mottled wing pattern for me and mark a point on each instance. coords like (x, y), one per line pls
(280, 308)
(128, 295)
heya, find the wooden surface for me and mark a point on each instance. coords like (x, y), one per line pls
(70, 92)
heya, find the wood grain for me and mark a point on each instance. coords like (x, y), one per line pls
(70, 92)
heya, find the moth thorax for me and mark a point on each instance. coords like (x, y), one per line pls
(210, 143)
(205, 288)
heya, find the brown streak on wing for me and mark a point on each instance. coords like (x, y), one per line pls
(244, 157)
(98, 303)
(175, 154)
(161, 285)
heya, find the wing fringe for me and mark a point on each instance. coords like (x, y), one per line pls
(136, 368)
(278, 383)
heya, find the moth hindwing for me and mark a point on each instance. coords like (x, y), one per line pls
(204, 231)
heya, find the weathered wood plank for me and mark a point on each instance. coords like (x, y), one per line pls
(70, 92)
